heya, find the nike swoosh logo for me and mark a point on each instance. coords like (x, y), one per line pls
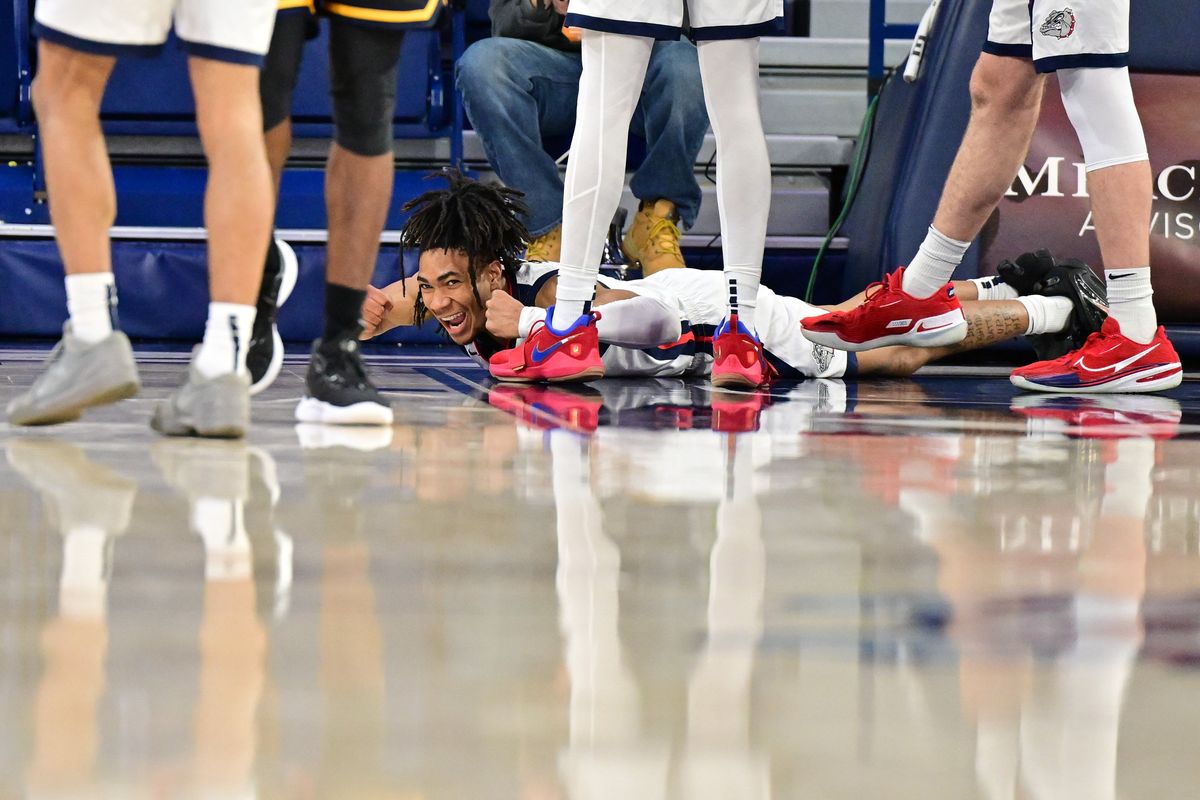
(922, 328)
(1122, 275)
(1120, 365)
(539, 355)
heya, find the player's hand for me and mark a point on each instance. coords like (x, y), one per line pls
(375, 310)
(560, 6)
(503, 315)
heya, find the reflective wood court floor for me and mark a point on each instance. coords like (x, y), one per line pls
(922, 589)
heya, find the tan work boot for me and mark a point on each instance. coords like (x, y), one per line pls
(653, 238)
(547, 247)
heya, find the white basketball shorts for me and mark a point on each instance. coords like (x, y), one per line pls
(1061, 34)
(237, 31)
(663, 19)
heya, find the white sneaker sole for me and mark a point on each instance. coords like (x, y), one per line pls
(361, 438)
(289, 271)
(316, 411)
(1138, 382)
(947, 329)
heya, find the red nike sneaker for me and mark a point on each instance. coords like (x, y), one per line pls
(890, 316)
(1107, 362)
(553, 356)
(738, 361)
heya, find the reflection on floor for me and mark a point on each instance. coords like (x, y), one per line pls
(911, 589)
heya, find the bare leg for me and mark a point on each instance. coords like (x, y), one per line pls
(237, 202)
(279, 145)
(358, 190)
(1121, 207)
(1006, 97)
(83, 202)
(987, 323)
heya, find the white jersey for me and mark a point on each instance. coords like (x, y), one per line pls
(700, 298)
(663, 19)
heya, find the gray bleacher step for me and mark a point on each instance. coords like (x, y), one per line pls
(851, 18)
(799, 53)
(788, 109)
(786, 149)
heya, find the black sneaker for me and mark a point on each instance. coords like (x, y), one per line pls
(1075, 281)
(339, 391)
(264, 359)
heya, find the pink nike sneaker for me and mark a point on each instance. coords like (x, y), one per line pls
(553, 356)
(1107, 362)
(738, 361)
(547, 407)
(890, 316)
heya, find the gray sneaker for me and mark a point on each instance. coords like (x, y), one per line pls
(217, 408)
(77, 376)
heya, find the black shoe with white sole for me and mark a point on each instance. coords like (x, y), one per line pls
(264, 359)
(339, 390)
(1042, 273)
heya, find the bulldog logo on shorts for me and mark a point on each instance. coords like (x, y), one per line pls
(1059, 24)
(823, 356)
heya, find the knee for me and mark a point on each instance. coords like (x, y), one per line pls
(362, 112)
(487, 65)
(1006, 85)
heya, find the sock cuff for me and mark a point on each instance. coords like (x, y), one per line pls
(91, 279)
(1132, 283)
(942, 245)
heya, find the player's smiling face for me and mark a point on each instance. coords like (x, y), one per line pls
(444, 280)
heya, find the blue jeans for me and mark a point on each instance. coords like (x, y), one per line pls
(516, 92)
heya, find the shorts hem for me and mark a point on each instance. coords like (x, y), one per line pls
(716, 33)
(1082, 61)
(648, 30)
(82, 45)
(229, 55)
(1008, 50)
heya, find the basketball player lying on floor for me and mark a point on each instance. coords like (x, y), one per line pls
(472, 279)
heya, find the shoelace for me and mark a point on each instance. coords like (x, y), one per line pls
(664, 236)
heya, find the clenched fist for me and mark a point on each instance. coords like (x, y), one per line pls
(503, 315)
(374, 311)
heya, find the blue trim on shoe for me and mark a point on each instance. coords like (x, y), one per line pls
(582, 321)
(723, 329)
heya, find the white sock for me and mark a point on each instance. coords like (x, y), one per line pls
(226, 338)
(92, 304)
(992, 288)
(221, 523)
(614, 69)
(934, 263)
(1131, 303)
(1046, 314)
(731, 82)
(743, 295)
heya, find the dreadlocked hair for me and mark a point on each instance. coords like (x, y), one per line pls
(482, 220)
